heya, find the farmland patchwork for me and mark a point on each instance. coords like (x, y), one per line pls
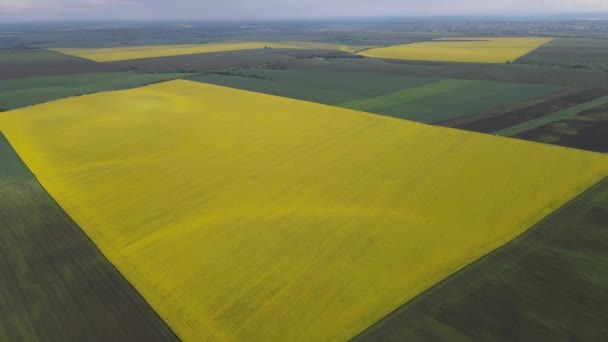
(243, 216)
(149, 51)
(422, 99)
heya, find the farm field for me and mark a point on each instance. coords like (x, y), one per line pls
(547, 284)
(32, 55)
(221, 60)
(579, 53)
(571, 103)
(253, 226)
(514, 73)
(447, 99)
(322, 87)
(28, 91)
(572, 118)
(106, 35)
(12, 168)
(474, 50)
(56, 285)
(37, 62)
(553, 117)
(587, 130)
(546, 104)
(419, 99)
(141, 52)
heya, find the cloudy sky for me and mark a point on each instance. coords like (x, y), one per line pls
(18, 10)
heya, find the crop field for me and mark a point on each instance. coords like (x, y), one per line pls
(570, 104)
(35, 62)
(474, 50)
(514, 73)
(446, 99)
(420, 99)
(322, 87)
(141, 52)
(56, 285)
(553, 117)
(31, 55)
(467, 104)
(545, 104)
(12, 168)
(28, 91)
(221, 60)
(550, 283)
(578, 53)
(315, 231)
(587, 130)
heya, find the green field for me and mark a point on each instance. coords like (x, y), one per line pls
(514, 73)
(28, 91)
(579, 53)
(31, 55)
(12, 168)
(551, 284)
(547, 119)
(55, 285)
(420, 99)
(22, 63)
(323, 87)
(449, 99)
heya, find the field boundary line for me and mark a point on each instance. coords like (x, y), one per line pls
(34, 179)
(463, 271)
(113, 265)
(119, 257)
(184, 77)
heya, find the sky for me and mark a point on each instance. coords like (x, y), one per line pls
(36, 10)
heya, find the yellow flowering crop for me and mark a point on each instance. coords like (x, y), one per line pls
(138, 52)
(243, 216)
(479, 50)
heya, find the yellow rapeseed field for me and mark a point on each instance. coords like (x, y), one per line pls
(149, 51)
(479, 50)
(249, 217)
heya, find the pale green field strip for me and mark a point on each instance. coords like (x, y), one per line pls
(447, 99)
(327, 87)
(402, 96)
(564, 114)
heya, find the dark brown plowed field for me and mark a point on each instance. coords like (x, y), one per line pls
(511, 118)
(456, 122)
(587, 131)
